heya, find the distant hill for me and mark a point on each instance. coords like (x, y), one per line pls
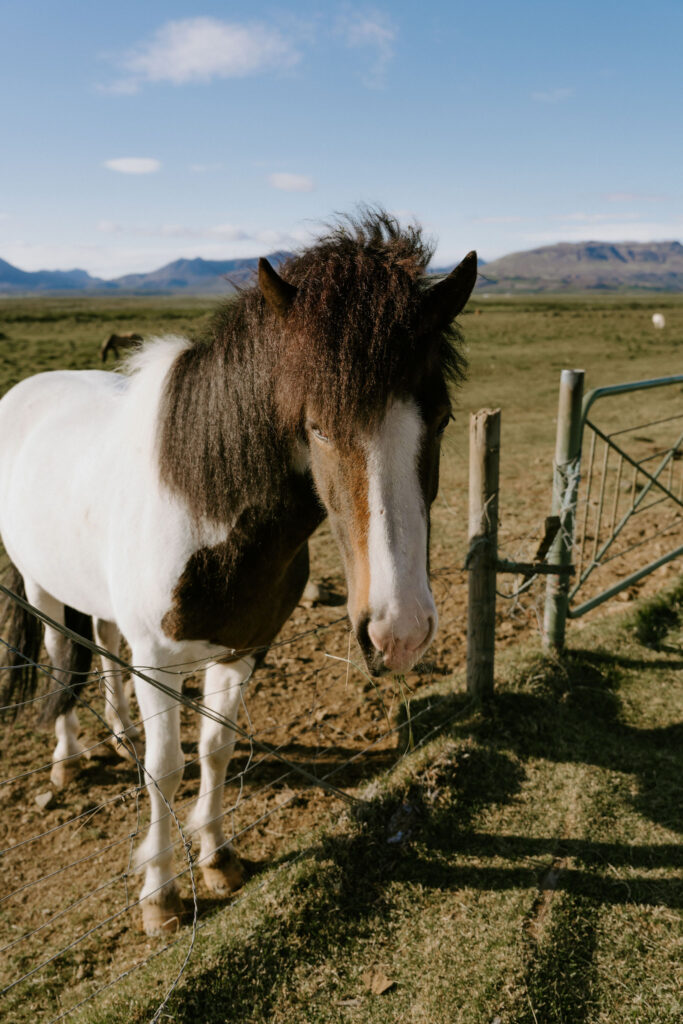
(588, 266)
(18, 282)
(194, 277)
(584, 266)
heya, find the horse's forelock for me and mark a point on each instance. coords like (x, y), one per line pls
(353, 337)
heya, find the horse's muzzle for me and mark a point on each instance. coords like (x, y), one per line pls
(387, 648)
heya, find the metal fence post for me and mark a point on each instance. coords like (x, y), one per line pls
(565, 488)
(483, 550)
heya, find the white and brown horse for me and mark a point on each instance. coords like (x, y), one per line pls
(173, 503)
(116, 342)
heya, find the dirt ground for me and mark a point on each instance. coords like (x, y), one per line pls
(68, 880)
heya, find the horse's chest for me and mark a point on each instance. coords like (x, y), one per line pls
(239, 593)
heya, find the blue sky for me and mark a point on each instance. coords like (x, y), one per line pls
(137, 132)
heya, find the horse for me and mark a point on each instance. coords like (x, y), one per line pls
(172, 503)
(117, 341)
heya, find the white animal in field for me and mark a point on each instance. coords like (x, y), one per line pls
(658, 320)
(173, 504)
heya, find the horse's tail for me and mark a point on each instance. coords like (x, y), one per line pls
(75, 662)
(22, 635)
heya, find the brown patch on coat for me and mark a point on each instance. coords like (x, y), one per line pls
(239, 593)
(342, 480)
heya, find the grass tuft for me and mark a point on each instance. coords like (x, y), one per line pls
(656, 619)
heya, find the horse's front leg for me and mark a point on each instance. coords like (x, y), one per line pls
(162, 906)
(223, 688)
(126, 738)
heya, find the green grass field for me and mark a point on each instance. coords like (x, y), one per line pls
(521, 865)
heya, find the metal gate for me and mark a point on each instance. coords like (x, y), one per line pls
(624, 508)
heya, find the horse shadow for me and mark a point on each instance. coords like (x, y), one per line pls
(426, 832)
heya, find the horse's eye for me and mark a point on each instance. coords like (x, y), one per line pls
(315, 429)
(443, 424)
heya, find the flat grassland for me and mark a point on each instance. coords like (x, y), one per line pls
(519, 866)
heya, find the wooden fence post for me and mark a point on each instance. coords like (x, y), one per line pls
(483, 550)
(565, 489)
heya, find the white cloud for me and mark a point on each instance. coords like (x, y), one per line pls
(199, 49)
(503, 219)
(552, 95)
(610, 231)
(133, 165)
(205, 168)
(372, 30)
(109, 227)
(292, 182)
(595, 218)
(633, 197)
(215, 233)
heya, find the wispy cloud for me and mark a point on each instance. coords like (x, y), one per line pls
(616, 230)
(552, 95)
(370, 30)
(133, 165)
(205, 168)
(292, 182)
(633, 197)
(226, 232)
(503, 219)
(109, 227)
(200, 49)
(595, 218)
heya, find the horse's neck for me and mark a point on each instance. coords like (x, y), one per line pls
(219, 449)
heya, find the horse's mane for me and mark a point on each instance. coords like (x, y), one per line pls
(352, 339)
(355, 335)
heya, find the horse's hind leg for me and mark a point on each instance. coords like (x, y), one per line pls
(59, 704)
(223, 688)
(126, 735)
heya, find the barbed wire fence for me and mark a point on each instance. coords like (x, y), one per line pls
(69, 906)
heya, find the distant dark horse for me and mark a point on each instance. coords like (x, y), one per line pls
(174, 505)
(118, 341)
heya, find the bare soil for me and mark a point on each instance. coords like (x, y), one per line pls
(69, 886)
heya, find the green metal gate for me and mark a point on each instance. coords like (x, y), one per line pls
(618, 490)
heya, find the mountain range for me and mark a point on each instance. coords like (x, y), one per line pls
(587, 266)
(193, 277)
(581, 266)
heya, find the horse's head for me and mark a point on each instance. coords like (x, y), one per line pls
(377, 472)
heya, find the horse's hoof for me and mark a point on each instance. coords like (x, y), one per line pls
(165, 916)
(64, 772)
(223, 872)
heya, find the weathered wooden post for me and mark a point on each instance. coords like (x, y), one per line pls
(565, 488)
(483, 550)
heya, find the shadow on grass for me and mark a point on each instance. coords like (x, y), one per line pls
(572, 712)
(420, 835)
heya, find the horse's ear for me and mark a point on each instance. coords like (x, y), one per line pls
(445, 300)
(278, 294)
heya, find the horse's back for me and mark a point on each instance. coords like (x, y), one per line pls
(56, 450)
(82, 509)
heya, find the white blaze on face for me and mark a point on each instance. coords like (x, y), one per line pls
(402, 612)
